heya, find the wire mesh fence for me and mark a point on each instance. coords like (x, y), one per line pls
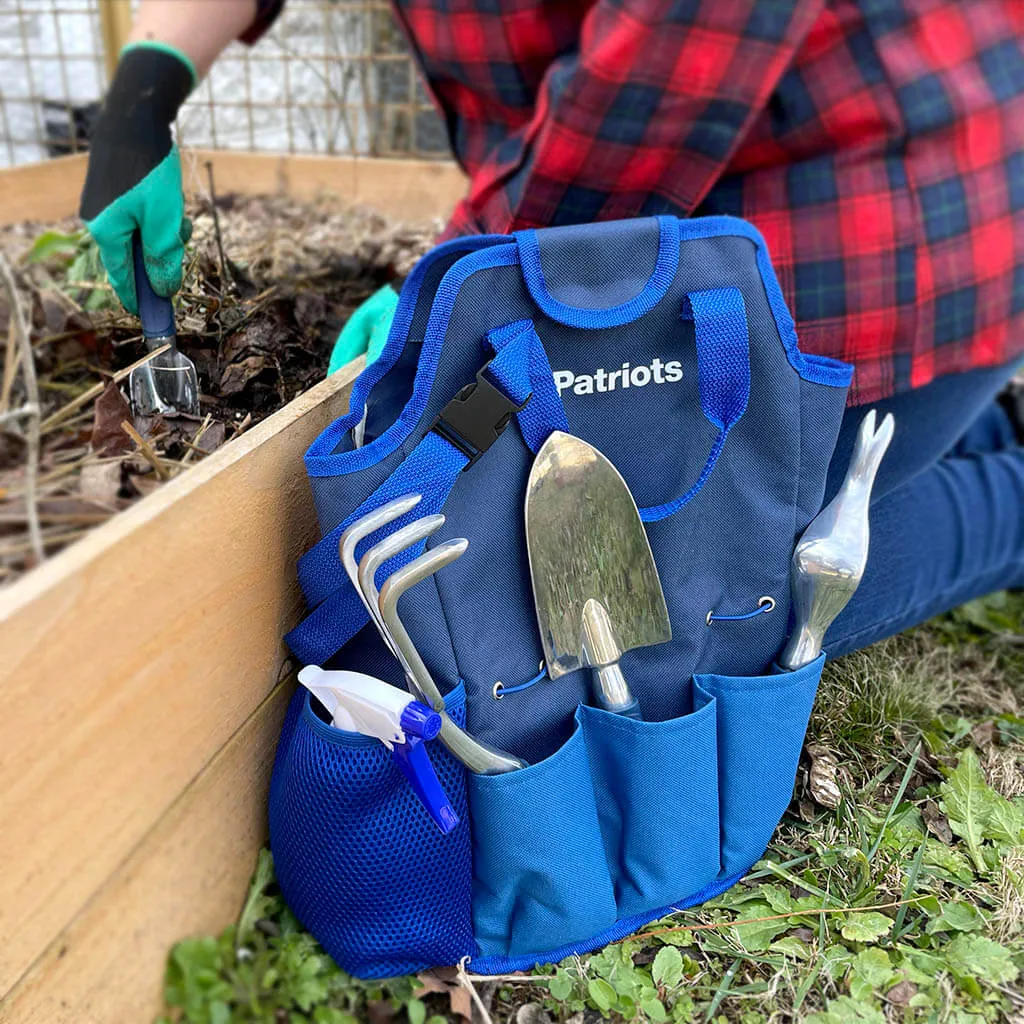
(331, 77)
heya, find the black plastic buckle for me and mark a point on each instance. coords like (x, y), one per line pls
(475, 418)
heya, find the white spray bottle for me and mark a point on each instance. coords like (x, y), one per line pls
(367, 705)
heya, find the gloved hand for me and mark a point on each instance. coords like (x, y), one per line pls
(366, 330)
(133, 182)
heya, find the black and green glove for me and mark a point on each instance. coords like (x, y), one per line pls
(133, 182)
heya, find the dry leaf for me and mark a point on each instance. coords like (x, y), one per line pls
(901, 994)
(937, 823)
(444, 981)
(100, 482)
(822, 776)
(212, 438)
(236, 376)
(984, 734)
(111, 410)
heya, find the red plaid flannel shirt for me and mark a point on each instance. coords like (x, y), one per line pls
(878, 145)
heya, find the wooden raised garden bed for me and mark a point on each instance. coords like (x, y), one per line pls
(143, 678)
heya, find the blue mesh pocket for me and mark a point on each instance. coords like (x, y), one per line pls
(761, 725)
(359, 861)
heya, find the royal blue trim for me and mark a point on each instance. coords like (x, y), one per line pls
(816, 369)
(644, 301)
(621, 929)
(325, 443)
(320, 460)
(500, 250)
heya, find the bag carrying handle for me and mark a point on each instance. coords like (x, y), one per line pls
(723, 375)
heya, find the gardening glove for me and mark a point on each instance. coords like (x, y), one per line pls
(133, 182)
(366, 330)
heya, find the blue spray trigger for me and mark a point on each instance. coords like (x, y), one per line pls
(420, 720)
(415, 764)
(364, 704)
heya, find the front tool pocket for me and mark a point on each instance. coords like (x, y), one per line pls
(358, 860)
(761, 725)
(656, 789)
(621, 821)
(540, 880)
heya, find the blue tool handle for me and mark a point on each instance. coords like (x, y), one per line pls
(155, 312)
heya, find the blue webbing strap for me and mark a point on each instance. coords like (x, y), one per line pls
(431, 470)
(723, 375)
(544, 413)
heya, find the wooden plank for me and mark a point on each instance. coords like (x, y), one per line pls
(115, 26)
(187, 877)
(417, 191)
(44, 191)
(131, 657)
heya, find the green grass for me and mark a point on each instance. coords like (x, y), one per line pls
(902, 902)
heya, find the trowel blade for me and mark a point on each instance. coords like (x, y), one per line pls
(586, 543)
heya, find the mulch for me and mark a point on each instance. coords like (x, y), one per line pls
(258, 314)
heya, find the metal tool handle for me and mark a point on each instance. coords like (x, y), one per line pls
(476, 756)
(831, 556)
(155, 312)
(612, 692)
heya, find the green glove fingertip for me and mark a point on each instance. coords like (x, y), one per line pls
(366, 330)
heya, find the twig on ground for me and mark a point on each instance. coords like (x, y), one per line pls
(193, 445)
(146, 450)
(32, 407)
(16, 414)
(226, 281)
(242, 426)
(12, 356)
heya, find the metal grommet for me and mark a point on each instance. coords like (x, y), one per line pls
(710, 616)
(496, 690)
(767, 603)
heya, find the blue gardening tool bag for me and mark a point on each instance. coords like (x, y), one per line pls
(668, 346)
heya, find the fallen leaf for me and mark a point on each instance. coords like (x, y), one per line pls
(822, 776)
(984, 734)
(901, 994)
(937, 823)
(444, 981)
(100, 482)
(310, 310)
(49, 312)
(237, 376)
(111, 410)
(212, 438)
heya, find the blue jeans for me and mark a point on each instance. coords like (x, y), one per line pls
(947, 512)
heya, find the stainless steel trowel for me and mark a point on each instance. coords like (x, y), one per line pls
(595, 583)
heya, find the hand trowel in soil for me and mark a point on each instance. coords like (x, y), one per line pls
(595, 584)
(168, 384)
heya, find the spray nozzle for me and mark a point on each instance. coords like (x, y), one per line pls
(367, 705)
